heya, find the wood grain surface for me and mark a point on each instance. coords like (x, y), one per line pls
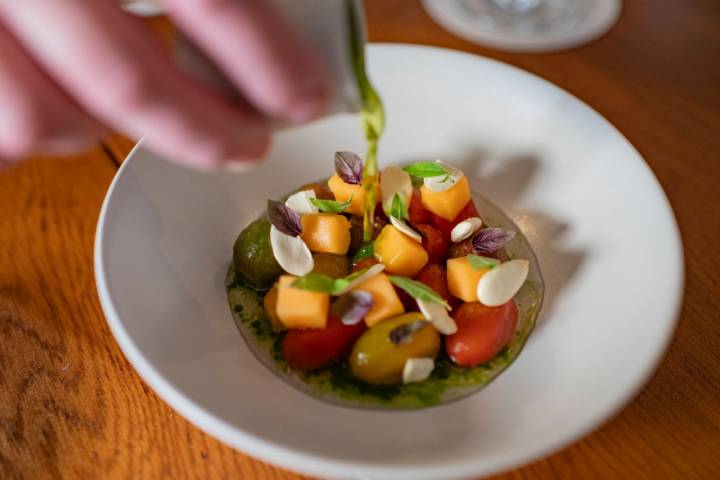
(72, 407)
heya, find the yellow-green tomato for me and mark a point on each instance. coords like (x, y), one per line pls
(377, 360)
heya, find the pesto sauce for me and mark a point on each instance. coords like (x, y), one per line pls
(337, 385)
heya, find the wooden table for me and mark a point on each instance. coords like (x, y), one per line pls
(72, 407)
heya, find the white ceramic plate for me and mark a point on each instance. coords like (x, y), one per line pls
(602, 229)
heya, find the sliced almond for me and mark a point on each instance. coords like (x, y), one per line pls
(465, 229)
(300, 202)
(291, 253)
(417, 369)
(437, 314)
(499, 285)
(406, 229)
(371, 272)
(394, 180)
(445, 181)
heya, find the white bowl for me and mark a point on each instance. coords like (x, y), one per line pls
(603, 231)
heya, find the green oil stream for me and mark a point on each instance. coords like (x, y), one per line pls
(372, 114)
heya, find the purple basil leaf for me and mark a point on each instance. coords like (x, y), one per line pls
(349, 167)
(352, 307)
(404, 333)
(489, 240)
(284, 218)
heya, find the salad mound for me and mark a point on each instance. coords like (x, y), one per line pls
(429, 307)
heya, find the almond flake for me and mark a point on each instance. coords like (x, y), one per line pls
(499, 285)
(291, 253)
(465, 229)
(300, 202)
(406, 229)
(417, 369)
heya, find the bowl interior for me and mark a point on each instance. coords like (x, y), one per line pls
(600, 225)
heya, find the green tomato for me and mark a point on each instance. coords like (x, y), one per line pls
(377, 360)
(335, 266)
(253, 256)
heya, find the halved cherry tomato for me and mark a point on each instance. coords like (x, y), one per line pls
(311, 348)
(468, 211)
(418, 213)
(433, 242)
(435, 277)
(364, 263)
(482, 332)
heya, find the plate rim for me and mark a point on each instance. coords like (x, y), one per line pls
(317, 464)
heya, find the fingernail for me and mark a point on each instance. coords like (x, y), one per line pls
(309, 105)
(239, 166)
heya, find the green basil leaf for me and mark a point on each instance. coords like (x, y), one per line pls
(426, 169)
(417, 290)
(366, 251)
(315, 282)
(398, 209)
(331, 206)
(318, 282)
(477, 262)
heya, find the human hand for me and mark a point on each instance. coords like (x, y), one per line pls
(72, 69)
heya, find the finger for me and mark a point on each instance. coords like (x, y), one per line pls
(35, 116)
(114, 68)
(274, 66)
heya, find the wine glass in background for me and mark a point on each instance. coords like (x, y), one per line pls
(526, 25)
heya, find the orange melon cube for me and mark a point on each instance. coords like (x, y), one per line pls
(326, 233)
(449, 203)
(298, 308)
(270, 306)
(463, 279)
(400, 254)
(386, 303)
(343, 191)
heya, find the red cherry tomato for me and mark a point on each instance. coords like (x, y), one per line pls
(435, 277)
(315, 348)
(482, 332)
(468, 211)
(418, 213)
(364, 263)
(433, 242)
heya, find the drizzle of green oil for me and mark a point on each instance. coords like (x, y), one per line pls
(372, 115)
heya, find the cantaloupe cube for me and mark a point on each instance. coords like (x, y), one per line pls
(463, 279)
(343, 191)
(386, 303)
(449, 203)
(400, 254)
(326, 233)
(270, 306)
(298, 308)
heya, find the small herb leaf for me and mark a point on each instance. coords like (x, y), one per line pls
(318, 282)
(331, 206)
(418, 290)
(398, 208)
(366, 251)
(349, 167)
(426, 169)
(477, 262)
(352, 307)
(315, 282)
(489, 240)
(404, 333)
(284, 218)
